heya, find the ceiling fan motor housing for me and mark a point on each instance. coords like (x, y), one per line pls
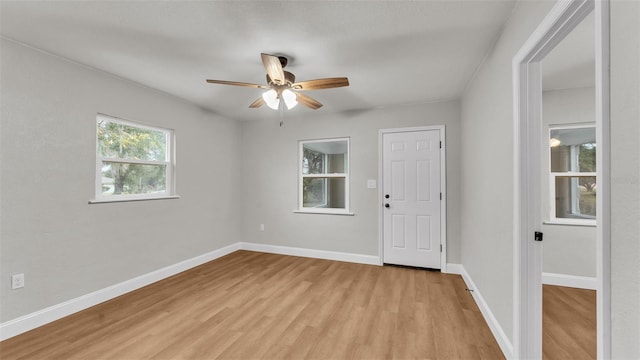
(289, 78)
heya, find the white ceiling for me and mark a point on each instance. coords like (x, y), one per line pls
(393, 52)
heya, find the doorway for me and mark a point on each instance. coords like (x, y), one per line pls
(412, 216)
(528, 233)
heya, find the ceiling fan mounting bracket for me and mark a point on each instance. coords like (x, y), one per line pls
(283, 61)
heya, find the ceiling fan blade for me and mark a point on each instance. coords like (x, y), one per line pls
(308, 101)
(274, 68)
(256, 104)
(317, 84)
(236, 83)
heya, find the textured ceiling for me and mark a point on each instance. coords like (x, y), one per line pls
(393, 52)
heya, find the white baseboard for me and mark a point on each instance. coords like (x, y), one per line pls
(38, 318)
(454, 269)
(494, 326)
(580, 282)
(31, 321)
(41, 317)
(311, 253)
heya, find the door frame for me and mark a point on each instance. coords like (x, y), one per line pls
(443, 189)
(527, 97)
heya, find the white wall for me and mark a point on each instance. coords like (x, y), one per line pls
(487, 167)
(625, 174)
(270, 155)
(487, 125)
(67, 248)
(566, 249)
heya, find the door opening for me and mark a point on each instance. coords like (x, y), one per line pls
(527, 301)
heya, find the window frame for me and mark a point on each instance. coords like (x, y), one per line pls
(169, 163)
(553, 175)
(324, 175)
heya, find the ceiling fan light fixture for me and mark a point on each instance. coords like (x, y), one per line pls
(272, 99)
(282, 87)
(289, 98)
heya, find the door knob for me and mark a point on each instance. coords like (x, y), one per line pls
(387, 205)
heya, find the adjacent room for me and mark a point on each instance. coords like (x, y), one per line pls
(320, 179)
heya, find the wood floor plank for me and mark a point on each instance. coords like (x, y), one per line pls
(568, 323)
(250, 305)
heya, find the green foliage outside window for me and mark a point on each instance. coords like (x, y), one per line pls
(122, 143)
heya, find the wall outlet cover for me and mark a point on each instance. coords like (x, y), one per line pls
(17, 281)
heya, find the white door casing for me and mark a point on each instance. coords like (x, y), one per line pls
(527, 300)
(412, 221)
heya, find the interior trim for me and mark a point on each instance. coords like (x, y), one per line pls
(44, 316)
(527, 296)
(579, 282)
(311, 253)
(498, 333)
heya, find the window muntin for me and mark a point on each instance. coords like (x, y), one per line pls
(133, 161)
(324, 176)
(572, 169)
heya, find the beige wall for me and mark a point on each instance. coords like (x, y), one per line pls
(270, 180)
(67, 248)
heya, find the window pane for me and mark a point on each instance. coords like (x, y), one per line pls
(119, 179)
(573, 149)
(312, 162)
(323, 193)
(337, 163)
(122, 141)
(314, 191)
(325, 157)
(576, 197)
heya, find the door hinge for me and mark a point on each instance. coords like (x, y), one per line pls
(440, 196)
(440, 144)
(440, 247)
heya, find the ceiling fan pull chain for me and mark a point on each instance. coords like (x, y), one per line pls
(281, 114)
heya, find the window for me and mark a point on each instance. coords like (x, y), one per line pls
(324, 176)
(572, 160)
(133, 161)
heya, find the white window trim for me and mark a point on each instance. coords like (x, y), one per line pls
(169, 193)
(301, 176)
(553, 219)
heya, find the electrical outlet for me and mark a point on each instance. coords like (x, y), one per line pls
(17, 281)
(261, 227)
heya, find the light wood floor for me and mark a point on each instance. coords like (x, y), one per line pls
(250, 305)
(568, 323)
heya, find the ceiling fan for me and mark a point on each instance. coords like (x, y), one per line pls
(282, 86)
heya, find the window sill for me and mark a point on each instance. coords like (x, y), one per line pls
(104, 201)
(344, 213)
(570, 223)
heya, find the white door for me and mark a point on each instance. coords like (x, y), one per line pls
(411, 198)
